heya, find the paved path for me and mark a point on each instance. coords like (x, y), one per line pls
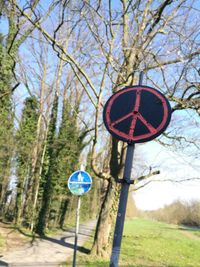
(48, 252)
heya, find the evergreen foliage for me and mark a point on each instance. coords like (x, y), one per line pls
(6, 118)
(25, 138)
(9, 46)
(63, 149)
(68, 156)
(69, 146)
(49, 170)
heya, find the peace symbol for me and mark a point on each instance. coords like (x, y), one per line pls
(137, 114)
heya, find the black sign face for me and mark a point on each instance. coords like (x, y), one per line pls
(137, 114)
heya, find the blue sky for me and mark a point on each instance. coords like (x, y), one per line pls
(171, 164)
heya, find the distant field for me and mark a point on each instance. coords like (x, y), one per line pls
(149, 243)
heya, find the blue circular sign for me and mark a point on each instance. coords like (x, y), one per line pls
(79, 183)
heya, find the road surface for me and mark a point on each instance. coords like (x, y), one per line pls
(49, 251)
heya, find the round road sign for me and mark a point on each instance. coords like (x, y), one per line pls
(137, 114)
(79, 183)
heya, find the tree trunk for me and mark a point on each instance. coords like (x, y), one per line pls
(103, 234)
(18, 204)
(63, 211)
(103, 241)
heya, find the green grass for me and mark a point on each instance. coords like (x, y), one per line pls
(197, 233)
(192, 230)
(2, 242)
(149, 243)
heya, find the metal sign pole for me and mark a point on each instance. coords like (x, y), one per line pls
(123, 201)
(77, 230)
(122, 208)
(78, 183)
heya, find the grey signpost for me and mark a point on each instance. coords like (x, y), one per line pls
(79, 183)
(122, 207)
(119, 226)
(134, 114)
(77, 230)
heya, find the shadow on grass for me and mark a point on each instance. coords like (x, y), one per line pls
(182, 228)
(16, 228)
(34, 236)
(189, 228)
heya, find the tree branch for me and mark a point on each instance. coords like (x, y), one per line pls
(56, 45)
(167, 180)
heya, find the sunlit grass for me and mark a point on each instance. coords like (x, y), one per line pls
(149, 243)
(2, 242)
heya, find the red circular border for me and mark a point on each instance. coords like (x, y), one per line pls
(139, 138)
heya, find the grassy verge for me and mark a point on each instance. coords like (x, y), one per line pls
(152, 244)
(2, 242)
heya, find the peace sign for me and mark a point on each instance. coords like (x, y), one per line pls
(137, 114)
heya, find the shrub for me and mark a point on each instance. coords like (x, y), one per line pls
(178, 213)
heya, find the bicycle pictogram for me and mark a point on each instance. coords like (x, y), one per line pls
(137, 114)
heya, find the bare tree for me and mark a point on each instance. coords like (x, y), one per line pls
(118, 40)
